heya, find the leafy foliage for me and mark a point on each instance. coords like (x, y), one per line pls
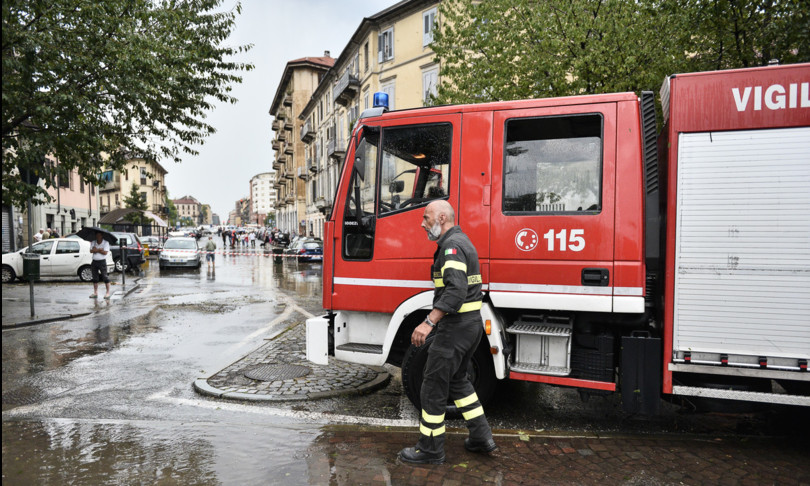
(86, 80)
(515, 49)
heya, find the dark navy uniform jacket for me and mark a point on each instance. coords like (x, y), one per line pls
(456, 274)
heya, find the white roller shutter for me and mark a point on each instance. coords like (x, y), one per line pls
(742, 276)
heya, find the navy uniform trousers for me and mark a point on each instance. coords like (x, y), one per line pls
(456, 339)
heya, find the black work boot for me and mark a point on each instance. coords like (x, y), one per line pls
(480, 446)
(415, 456)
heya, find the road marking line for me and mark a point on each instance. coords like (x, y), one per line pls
(280, 412)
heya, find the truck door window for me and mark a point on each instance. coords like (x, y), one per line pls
(553, 165)
(358, 219)
(415, 166)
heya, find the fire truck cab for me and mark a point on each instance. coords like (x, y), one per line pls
(607, 265)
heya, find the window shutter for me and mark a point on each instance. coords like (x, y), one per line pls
(380, 37)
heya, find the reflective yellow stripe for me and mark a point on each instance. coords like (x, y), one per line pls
(466, 401)
(438, 282)
(431, 432)
(473, 279)
(432, 419)
(470, 306)
(473, 413)
(454, 264)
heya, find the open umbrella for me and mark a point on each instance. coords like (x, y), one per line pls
(89, 233)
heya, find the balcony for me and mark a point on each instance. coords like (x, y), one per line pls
(346, 89)
(289, 199)
(312, 165)
(289, 175)
(302, 173)
(282, 136)
(276, 145)
(307, 133)
(289, 149)
(113, 185)
(104, 209)
(324, 205)
(277, 165)
(281, 115)
(288, 125)
(335, 149)
(282, 158)
(287, 101)
(276, 126)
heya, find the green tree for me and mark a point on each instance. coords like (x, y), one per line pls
(172, 210)
(514, 49)
(270, 221)
(203, 214)
(135, 201)
(87, 82)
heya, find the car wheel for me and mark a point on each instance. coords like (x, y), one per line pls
(118, 267)
(8, 274)
(480, 371)
(86, 274)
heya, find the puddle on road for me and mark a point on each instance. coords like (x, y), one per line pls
(65, 451)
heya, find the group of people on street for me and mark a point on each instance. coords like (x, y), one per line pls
(45, 234)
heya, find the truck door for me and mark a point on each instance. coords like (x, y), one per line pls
(382, 255)
(552, 208)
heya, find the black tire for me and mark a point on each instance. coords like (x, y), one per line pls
(8, 274)
(480, 371)
(119, 267)
(86, 273)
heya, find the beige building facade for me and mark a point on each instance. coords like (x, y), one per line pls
(299, 80)
(188, 207)
(262, 196)
(150, 177)
(389, 52)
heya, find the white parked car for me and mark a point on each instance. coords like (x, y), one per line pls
(58, 257)
(180, 251)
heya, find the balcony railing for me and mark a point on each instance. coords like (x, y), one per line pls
(113, 185)
(302, 173)
(287, 101)
(289, 175)
(282, 158)
(276, 145)
(288, 125)
(307, 132)
(346, 89)
(276, 126)
(335, 149)
(282, 136)
(312, 165)
(289, 149)
(277, 165)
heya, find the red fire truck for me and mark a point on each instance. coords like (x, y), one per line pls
(614, 258)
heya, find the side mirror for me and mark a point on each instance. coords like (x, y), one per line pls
(395, 187)
(360, 168)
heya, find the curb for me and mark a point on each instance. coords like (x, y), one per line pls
(65, 317)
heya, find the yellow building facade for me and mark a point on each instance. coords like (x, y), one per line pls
(389, 52)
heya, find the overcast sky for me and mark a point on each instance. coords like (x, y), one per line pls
(279, 31)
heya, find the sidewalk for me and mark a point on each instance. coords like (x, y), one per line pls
(59, 300)
(279, 371)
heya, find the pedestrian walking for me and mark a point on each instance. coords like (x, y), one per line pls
(224, 235)
(252, 239)
(456, 323)
(210, 247)
(98, 266)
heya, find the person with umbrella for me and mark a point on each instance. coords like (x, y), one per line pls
(99, 249)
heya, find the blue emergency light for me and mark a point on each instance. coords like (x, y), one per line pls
(381, 100)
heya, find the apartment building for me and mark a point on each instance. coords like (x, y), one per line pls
(389, 52)
(147, 174)
(262, 196)
(188, 207)
(298, 82)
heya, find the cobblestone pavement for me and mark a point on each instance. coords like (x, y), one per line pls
(368, 457)
(286, 374)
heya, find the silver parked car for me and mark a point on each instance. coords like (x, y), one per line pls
(180, 251)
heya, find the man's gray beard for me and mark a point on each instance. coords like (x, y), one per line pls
(435, 232)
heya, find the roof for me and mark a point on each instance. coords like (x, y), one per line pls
(322, 63)
(185, 200)
(118, 215)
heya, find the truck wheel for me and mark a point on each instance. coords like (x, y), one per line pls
(480, 371)
(86, 274)
(8, 274)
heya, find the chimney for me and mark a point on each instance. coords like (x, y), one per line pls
(326, 54)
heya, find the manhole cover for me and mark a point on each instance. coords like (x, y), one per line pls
(277, 372)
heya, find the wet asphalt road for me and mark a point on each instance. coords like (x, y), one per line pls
(108, 398)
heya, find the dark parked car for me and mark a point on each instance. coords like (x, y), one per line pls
(135, 255)
(305, 250)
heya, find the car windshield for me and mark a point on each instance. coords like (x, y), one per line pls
(312, 246)
(180, 245)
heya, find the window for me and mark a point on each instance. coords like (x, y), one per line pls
(81, 185)
(385, 45)
(365, 101)
(428, 21)
(64, 247)
(389, 89)
(365, 56)
(415, 166)
(360, 203)
(43, 248)
(64, 179)
(553, 165)
(143, 176)
(430, 85)
(116, 199)
(143, 196)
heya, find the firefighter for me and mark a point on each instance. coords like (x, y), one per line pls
(456, 322)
